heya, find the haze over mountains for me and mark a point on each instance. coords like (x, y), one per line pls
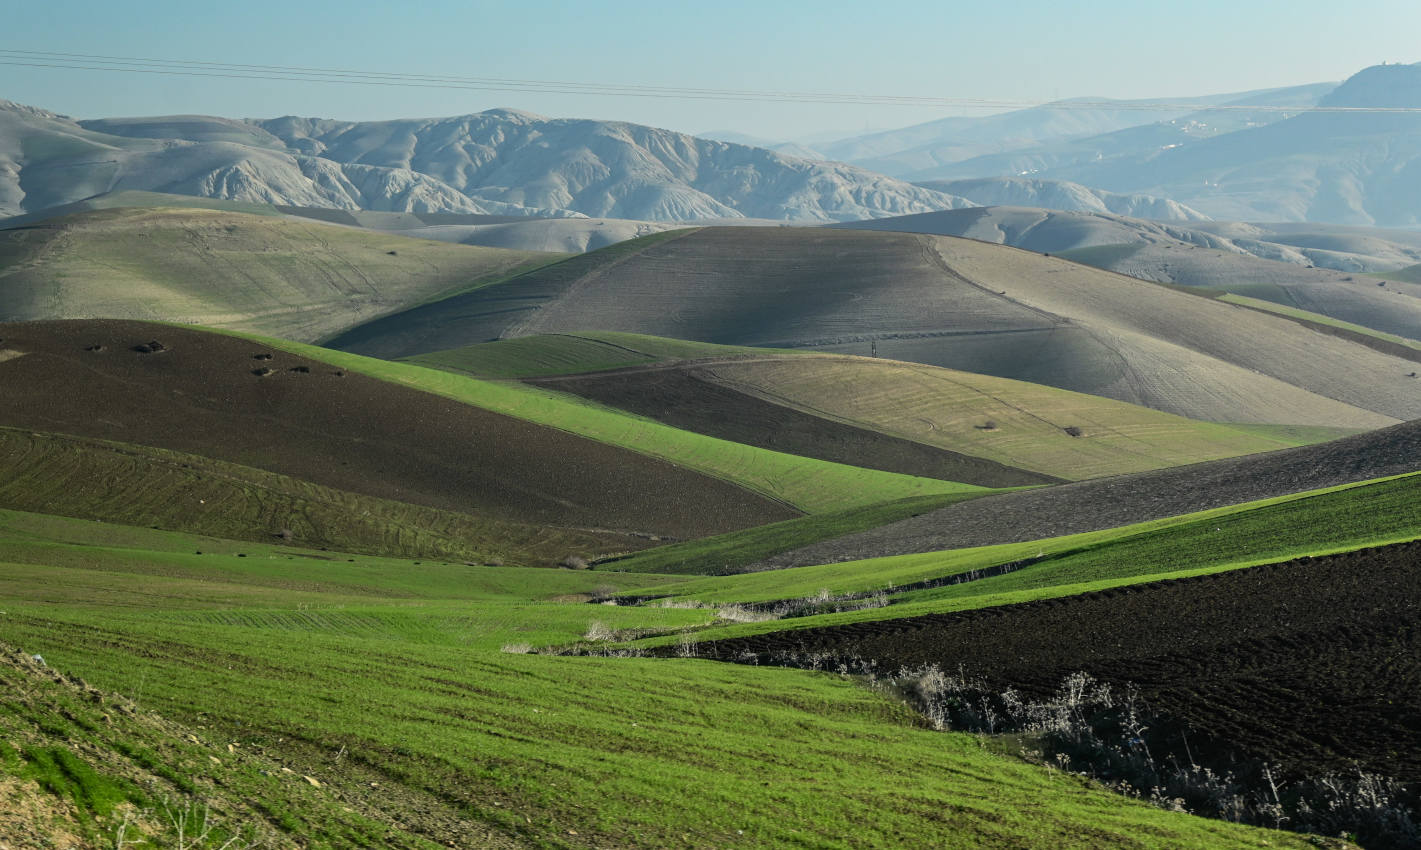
(1302, 153)
(500, 162)
(1326, 165)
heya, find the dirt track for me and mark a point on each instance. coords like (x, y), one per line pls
(202, 394)
(1111, 502)
(1314, 663)
(684, 397)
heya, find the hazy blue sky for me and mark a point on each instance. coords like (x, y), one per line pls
(1030, 50)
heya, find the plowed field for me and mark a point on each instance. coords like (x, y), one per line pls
(240, 401)
(1313, 663)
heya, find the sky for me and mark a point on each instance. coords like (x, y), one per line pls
(1024, 52)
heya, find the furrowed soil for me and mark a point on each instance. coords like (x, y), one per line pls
(1126, 499)
(690, 398)
(1313, 663)
(240, 401)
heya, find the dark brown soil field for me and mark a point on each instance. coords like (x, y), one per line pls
(1313, 663)
(688, 397)
(218, 396)
(1125, 499)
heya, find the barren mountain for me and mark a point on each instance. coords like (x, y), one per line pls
(603, 168)
(1025, 136)
(499, 162)
(1063, 195)
(48, 160)
(1332, 164)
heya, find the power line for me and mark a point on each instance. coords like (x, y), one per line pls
(284, 73)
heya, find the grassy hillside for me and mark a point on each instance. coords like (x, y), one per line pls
(809, 485)
(935, 300)
(409, 719)
(1051, 431)
(137, 485)
(1319, 319)
(292, 278)
(572, 353)
(254, 404)
(1332, 520)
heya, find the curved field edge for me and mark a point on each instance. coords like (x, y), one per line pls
(812, 486)
(141, 485)
(1309, 318)
(575, 264)
(1040, 428)
(529, 750)
(544, 355)
(730, 553)
(1321, 522)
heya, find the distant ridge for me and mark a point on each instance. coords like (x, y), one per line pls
(499, 162)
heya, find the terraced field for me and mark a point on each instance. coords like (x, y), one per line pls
(293, 278)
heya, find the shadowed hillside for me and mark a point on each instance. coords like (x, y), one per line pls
(934, 300)
(1118, 501)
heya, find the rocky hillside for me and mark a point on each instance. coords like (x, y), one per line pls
(499, 162)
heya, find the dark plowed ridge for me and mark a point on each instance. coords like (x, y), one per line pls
(205, 393)
(1314, 663)
(1122, 500)
(691, 398)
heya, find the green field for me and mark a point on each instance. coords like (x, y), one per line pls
(728, 553)
(1315, 523)
(1012, 422)
(812, 486)
(294, 278)
(1410, 274)
(1101, 256)
(571, 354)
(1318, 318)
(385, 682)
(140, 485)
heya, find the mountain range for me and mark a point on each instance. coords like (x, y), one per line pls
(499, 162)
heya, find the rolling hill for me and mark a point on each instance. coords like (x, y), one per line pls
(48, 160)
(1063, 195)
(241, 402)
(754, 395)
(289, 277)
(499, 162)
(1118, 501)
(1327, 164)
(1304, 266)
(934, 300)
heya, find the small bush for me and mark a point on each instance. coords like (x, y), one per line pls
(575, 562)
(598, 631)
